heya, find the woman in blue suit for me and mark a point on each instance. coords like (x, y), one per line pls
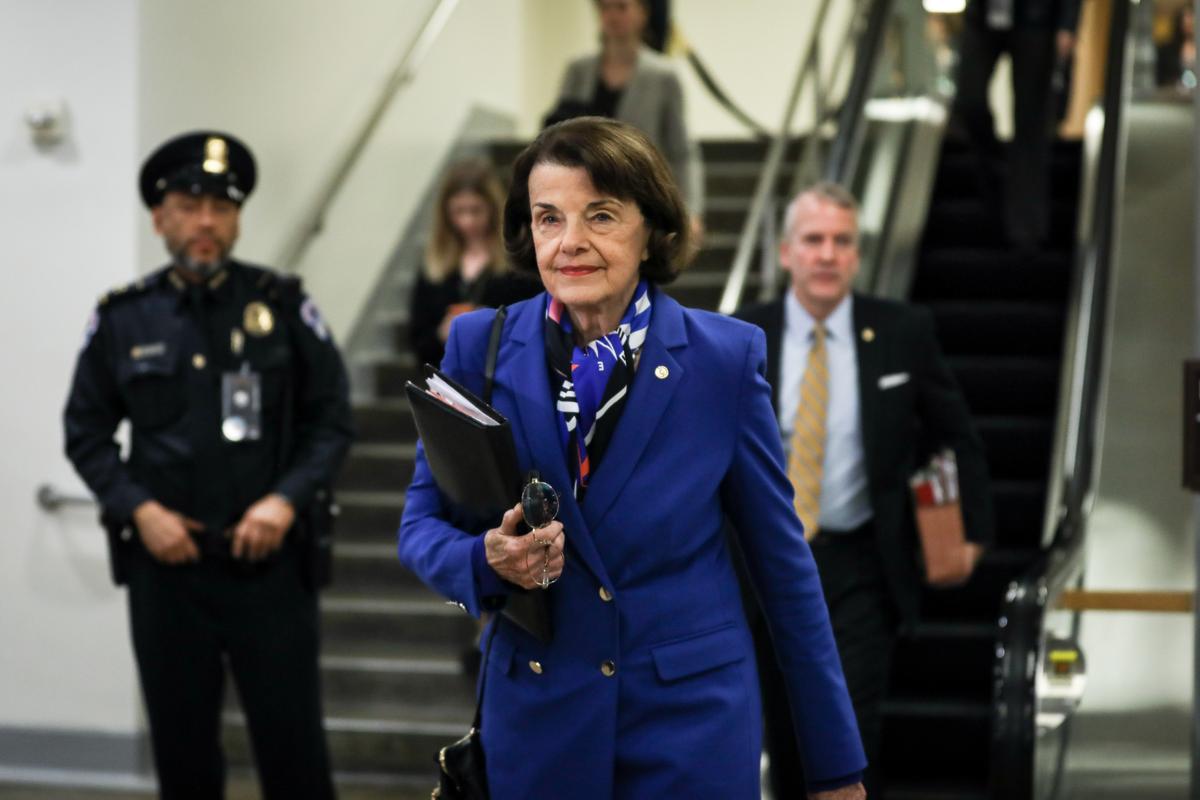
(654, 424)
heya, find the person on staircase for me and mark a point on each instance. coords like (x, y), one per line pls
(1036, 34)
(629, 81)
(465, 265)
(861, 391)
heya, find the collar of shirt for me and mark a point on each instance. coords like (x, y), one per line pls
(798, 324)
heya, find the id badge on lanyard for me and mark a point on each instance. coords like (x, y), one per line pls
(241, 405)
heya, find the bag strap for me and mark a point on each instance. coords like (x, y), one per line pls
(489, 369)
(489, 376)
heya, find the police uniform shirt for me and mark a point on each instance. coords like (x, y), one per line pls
(155, 354)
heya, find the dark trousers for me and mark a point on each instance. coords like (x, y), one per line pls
(187, 623)
(864, 626)
(1025, 203)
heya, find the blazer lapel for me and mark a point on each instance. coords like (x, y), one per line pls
(870, 366)
(530, 386)
(658, 376)
(774, 331)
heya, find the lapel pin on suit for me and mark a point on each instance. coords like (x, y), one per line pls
(868, 334)
(661, 372)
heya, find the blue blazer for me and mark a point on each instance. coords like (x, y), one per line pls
(649, 686)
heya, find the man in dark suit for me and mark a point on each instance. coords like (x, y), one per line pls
(1035, 34)
(862, 394)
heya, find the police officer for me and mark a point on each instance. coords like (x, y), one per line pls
(239, 415)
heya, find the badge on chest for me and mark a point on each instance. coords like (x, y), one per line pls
(241, 405)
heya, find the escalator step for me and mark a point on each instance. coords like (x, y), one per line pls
(999, 329)
(919, 745)
(958, 175)
(968, 223)
(1027, 386)
(980, 273)
(934, 790)
(1020, 508)
(1018, 448)
(957, 668)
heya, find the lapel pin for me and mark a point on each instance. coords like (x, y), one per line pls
(868, 334)
(661, 372)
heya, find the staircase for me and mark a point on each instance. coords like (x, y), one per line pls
(1000, 321)
(395, 688)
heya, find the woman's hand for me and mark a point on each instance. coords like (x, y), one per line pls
(526, 559)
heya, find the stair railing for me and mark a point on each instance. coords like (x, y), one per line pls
(1024, 763)
(808, 74)
(405, 71)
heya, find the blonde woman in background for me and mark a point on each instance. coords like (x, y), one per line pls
(465, 264)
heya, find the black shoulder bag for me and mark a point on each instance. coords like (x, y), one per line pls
(463, 773)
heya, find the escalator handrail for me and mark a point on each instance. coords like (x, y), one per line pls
(844, 152)
(1034, 594)
(768, 177)
(405, 71)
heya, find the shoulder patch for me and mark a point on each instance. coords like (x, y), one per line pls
(89, 330)
(312, 318)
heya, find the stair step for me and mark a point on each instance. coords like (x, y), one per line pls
(980, 273)
(427, 620)
(740, 178)
(1017, 448)
(396, 682)
(368, 518)
(374, 570)
(379, 467)
(995, 385)
(393, 371)
(999, 329)
(363, 744)
(385, 421)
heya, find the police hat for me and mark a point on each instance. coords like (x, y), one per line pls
(199, 163)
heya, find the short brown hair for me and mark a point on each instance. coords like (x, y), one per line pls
(444, 250)
(621, 162)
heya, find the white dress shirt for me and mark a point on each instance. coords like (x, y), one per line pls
(845, 500)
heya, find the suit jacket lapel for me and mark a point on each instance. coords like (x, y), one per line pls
(658, 376)
(870, 367)
(774, 330)
(539, 427)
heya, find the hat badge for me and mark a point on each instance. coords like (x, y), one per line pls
(216, 155)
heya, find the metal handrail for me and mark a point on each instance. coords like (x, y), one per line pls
(405, 71)
(50, 499)
(1074, 463)
(768, 177)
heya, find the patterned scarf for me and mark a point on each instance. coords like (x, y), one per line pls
(595, 381)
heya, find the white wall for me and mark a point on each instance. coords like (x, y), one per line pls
(69, 234)
(294, 79)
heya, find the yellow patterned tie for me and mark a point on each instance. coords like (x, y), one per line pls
(807, 457)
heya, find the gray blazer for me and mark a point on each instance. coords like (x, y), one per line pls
(653, 102)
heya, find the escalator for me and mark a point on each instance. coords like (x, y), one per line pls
(1000, 319)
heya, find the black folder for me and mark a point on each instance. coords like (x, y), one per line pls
(475, 465)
